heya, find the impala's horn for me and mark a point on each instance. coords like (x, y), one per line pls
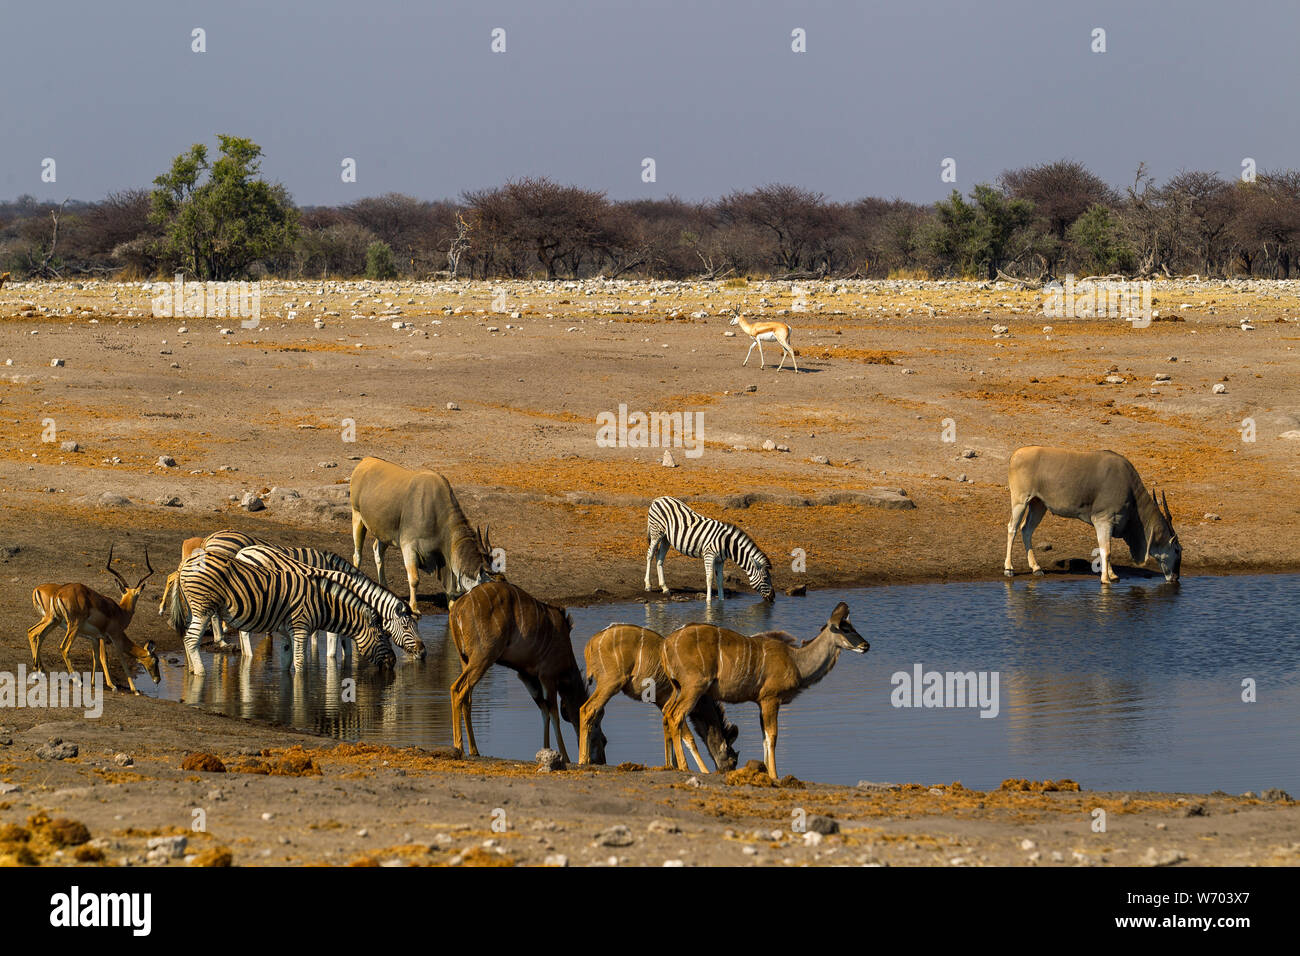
(109, 568)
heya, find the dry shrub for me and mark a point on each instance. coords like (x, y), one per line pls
(88, 854)
(1039, 786)
(204, 762)
(630, 767)
(214, 856)
(753, 774)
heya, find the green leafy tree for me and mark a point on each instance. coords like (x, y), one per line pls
(379, 261)
(219, 218)
(979, 235)
(1096, 235)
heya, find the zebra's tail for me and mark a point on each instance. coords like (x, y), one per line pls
(178, 613)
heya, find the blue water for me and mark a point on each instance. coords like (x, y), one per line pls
(1136, 686)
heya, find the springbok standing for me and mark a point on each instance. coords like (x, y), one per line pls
(761, 332)
(766, 668)
(498, 623)
(628, 658)
(98, 619)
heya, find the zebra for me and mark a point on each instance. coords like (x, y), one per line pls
(396, 613)
(671, 523)
(255, 599)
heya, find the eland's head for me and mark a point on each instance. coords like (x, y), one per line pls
(1164, 545)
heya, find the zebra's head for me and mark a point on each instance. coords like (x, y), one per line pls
(372, 643)
(404, 630)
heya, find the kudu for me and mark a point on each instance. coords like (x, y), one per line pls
(499, 623)
(98, 619)
(629, 659)
(704, 659)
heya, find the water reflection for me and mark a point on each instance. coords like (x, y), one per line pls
(1134, 685)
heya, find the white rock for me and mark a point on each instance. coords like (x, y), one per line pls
(1220, 388)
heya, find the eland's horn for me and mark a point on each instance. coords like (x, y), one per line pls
(1164, 503)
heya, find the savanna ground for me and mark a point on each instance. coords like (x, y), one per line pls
(505, 404)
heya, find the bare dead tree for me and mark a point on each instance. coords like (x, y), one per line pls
(458, 245)
(45, 269)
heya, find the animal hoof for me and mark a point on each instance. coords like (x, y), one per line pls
(1038, 572)
(1009, 573)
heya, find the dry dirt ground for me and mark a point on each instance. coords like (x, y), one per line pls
(505, 403)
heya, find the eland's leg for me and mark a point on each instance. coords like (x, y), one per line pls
(411, 562)
(1103, 547)
(1033, 515)
(358, 539)
(1017, 516)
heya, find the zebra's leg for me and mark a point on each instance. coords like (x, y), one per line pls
(659, 560)
(649, 557)
(192, 637)
(708, 577)
(246, 644)
(719, 566)
(331, 645)
(299, 647)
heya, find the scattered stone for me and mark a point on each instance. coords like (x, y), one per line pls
(663, 826)
(1154, 857)
(1115, 380)
(167, 847)
(693, 782)
(323, 464)
(1211, 516)
(123, 760)
(820, 460)
(251, 502)
(56, 749)
(812, 838)
(170, 501)
(213, 856)
(1027, 844)
(969, 453)
(556, 859)
(1290, 435)
(823, 824)
(878, 787)
(908, 371)
(56, 363)
(548, 761)
(9, 788)
(111, 499)
(1000, 330)
(1219, 388)
(1163, 377)
(1274, 795)
(797, 590)
(668, 460)
(769, 445)
(166, 461)
(617, 835)
(453, 407)
(673, 863)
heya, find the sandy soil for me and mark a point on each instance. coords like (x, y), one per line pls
(887, 369)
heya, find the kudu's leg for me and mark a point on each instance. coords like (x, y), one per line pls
(461, 689)
(1033, 515)
(553, 712)
(767, 711)
(591, 712)
(682, 703)
(1018, 507)
(688, 739)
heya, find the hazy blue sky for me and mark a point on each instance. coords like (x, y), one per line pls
(586, 90)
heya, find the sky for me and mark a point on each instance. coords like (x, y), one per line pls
(586, 91)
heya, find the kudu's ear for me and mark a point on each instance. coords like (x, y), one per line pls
(840, 615)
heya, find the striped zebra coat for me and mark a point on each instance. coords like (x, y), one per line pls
(671, 523)
(396, 614)
(257, 600)
(398, 619)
